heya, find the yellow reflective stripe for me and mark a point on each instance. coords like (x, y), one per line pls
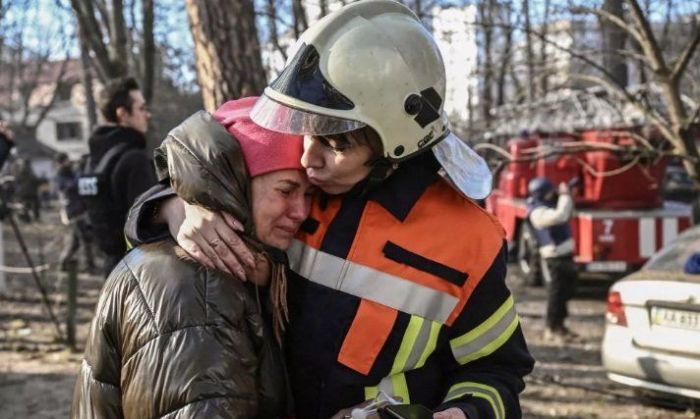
(371, 392)
(485, 326)
(409, 339)
(480, 390)
(371, 284)
(419, 341)
(494, 345)
(488, 336)
(432, 343)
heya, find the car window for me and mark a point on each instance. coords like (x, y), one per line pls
(673, 256)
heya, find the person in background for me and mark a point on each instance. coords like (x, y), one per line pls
(171, 338)
(73, 214)
(549, 215)
(27, 190)
(118, 164)
(7, 137)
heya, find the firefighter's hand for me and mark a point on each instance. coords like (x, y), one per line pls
(211, 238)
(451, 413)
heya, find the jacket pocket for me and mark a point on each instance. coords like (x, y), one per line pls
(399, 254)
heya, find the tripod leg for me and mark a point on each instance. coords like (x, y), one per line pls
(37, 280)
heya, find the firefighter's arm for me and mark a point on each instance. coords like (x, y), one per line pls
(485, 354)
(211, 238)
(140, 224)
(543, 217)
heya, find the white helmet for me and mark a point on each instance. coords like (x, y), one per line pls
(370, 63)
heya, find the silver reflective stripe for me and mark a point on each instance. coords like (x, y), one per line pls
(370, 284)
(488, 336)
(483, 391)
(419, 345)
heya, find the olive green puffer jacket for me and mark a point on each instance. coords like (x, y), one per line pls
(172, 339)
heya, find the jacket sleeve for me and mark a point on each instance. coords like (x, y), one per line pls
(543, 217)
(97, 391)
(139, 228)
(487, 357)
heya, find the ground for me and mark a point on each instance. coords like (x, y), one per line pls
(37, 373)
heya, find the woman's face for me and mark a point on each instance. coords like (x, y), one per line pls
(335, 164)
(281, 202)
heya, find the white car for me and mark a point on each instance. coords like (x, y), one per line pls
(652, 333)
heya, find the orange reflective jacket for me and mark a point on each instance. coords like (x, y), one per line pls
(402, 290)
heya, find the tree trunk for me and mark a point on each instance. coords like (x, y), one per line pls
(418, 5)
(227, 50)
(505, 61)
(117, 30)
(272, 28)
(300, 21)
(544, 79)
(486, 16)
(90, 108)
(614, 39)
(149, 50)
(529, 56)
(107, 54)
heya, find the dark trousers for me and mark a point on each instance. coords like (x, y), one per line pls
(561, 276)
(78, 237)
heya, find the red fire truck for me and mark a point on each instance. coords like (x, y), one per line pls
(620, 218)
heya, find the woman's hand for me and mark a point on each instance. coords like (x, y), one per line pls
(451, 413)
(211, 238)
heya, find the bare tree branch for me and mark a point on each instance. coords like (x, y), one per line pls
(272, 28)
(148, 50)
(656, 119)
(686, 55)
(648, 42)
(58, 84)
(603, 14)
(86, 19)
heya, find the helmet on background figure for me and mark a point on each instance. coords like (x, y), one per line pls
(540, 189)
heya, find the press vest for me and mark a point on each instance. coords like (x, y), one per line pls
(553, 235)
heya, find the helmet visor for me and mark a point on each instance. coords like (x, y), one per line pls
(275, 116)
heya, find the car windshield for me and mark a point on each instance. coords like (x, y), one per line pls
(673, 256)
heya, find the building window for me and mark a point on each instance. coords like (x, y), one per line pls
(66, 131)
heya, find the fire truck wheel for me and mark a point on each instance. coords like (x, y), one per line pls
(529, 258)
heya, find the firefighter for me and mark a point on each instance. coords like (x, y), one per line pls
(397, 281)
(549, 214)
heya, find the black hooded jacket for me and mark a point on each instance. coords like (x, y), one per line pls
(132, 175)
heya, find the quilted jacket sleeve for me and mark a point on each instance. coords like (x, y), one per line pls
(97, 393)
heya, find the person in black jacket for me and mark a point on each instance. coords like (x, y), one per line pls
(131, 173)
(6, 142)
(73, 214)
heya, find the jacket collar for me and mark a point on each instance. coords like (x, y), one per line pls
(402, 189)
